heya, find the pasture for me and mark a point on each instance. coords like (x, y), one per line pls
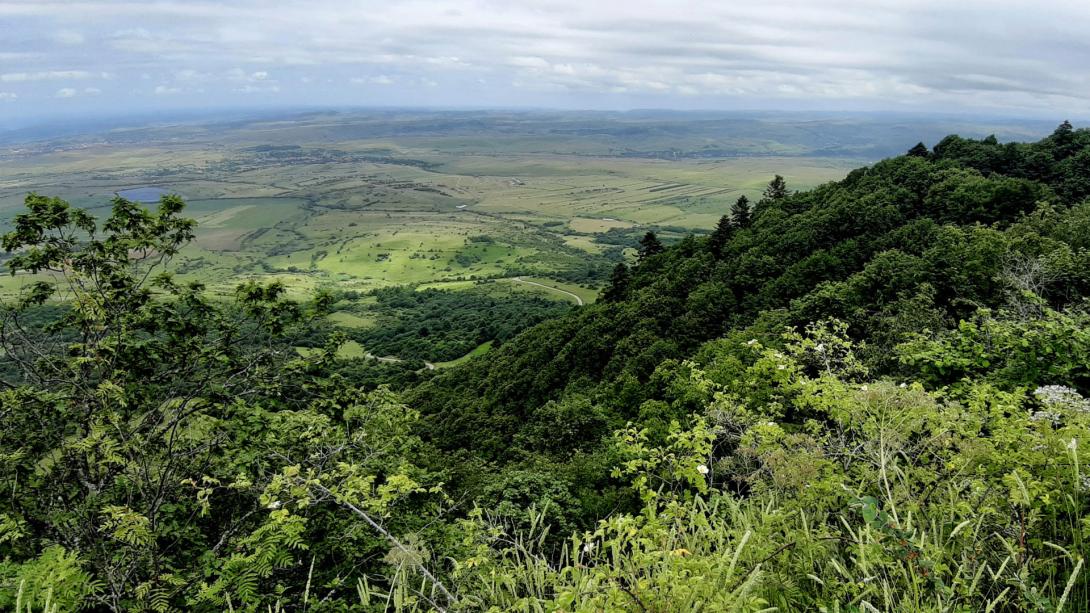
(355, 204)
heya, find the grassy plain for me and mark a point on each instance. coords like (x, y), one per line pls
(293, 201)
(535, 203)
(363, 200)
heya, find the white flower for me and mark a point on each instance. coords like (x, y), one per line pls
(276, 504)
(1045, 416)
(588, 547)
(781, 367)
(903, 385)
(1073, 445)
(702, 469)
(752, 341)
(1059, 396)
(863, 387)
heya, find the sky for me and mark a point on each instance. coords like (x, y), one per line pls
(107, 57)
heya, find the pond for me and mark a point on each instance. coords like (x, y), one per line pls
(144, 194)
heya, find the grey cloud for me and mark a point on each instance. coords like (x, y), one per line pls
(876, 54)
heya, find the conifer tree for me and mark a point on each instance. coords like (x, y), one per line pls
(650, 245)
(1063, 140)
(618, 284)
(742, 214)
(722, 234)
(919, 151)
(777, 189)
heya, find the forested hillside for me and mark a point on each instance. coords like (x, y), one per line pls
(913, 244)
(870, 396)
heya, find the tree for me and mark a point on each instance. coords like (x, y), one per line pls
(1063, 141)
(139, 427)
(742, 213)
(777, 189)
(721, 236)
(920, 151)
(618, 284)
(650, 245)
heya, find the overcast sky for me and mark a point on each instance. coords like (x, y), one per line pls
(102, 56)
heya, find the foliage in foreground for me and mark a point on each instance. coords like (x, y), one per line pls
(164, 451)
(881, 497)
(800, 485)
(150, 422)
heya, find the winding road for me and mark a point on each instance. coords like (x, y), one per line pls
(393, 360)
(578, 300)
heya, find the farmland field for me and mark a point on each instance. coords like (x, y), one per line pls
(355, 202)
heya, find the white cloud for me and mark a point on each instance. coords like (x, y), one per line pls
(68, 37)
(17, 56)
(166, 90)
(8, 96)
(375, 80)
(49, 75)
(529, 62)
(191, 75)
(66, 92)
(258, 89)
(447, 62)
(238, 74)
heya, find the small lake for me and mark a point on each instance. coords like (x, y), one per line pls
(144, 194)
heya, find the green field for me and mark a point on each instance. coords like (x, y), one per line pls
(479, 351)
(308, 237)
(361, 201)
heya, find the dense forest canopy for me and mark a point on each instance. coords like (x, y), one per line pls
(867, 396)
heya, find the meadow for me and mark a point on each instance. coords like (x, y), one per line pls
(369, 210)
(355, 202)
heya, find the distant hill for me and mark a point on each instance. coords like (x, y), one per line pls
(661, 134)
